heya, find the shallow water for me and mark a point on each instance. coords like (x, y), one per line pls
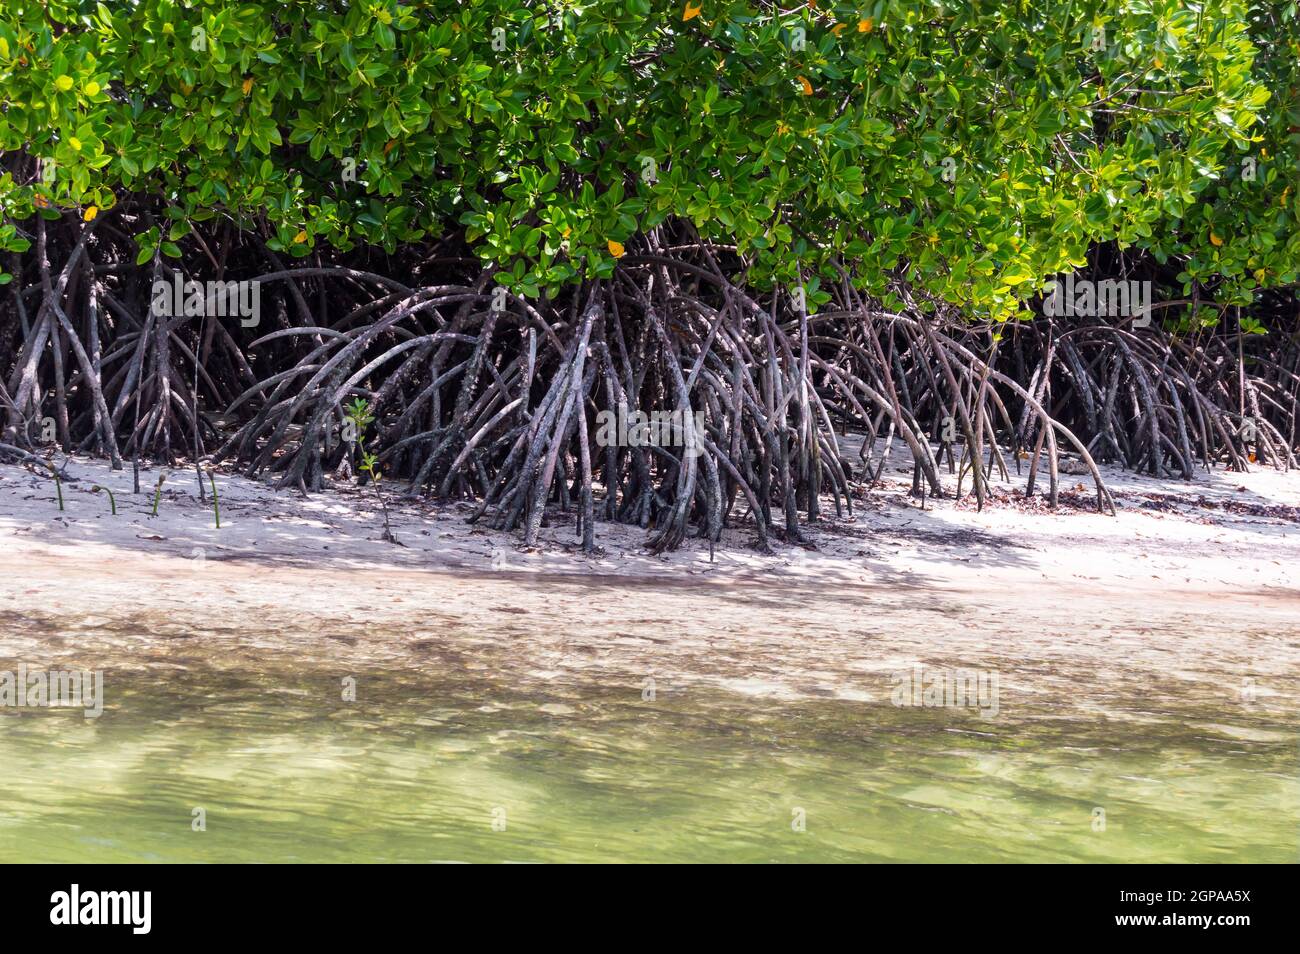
(467, 766)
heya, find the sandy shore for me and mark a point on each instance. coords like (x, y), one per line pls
(1189, 594)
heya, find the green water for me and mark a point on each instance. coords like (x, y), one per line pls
(421, 768)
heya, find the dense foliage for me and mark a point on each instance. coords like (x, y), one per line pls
(790, 134)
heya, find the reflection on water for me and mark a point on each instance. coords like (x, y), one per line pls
(420, 767)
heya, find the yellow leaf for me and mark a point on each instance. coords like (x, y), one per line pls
(40, 202)
(782, 128)
(615, 248)
(186, 89)
(866, 26)
(1160, 62)
(838, 28)
(75, 143)
(388, 146)
(300, 238)
(90, 213)
(92, 88)
(1215, 240)
(690, 13)
(63, 83)
(248, 86)
(4, 47)
(807, 86)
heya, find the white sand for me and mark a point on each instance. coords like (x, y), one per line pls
(1072, 608)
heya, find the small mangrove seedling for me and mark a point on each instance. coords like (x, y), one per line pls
(58, 484)
(216, 509)
(358, 412)
(158, 492)
(112, 501)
